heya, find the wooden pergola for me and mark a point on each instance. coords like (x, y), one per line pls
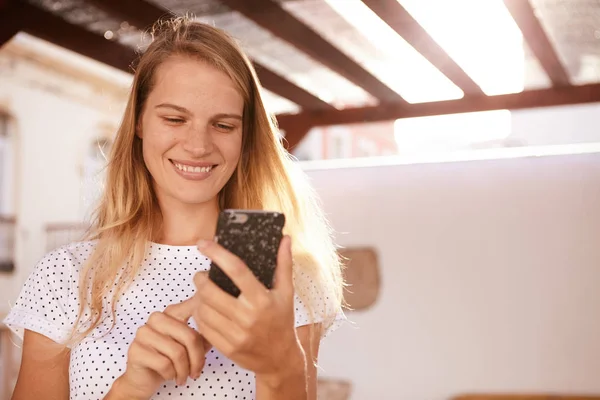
(270, 15)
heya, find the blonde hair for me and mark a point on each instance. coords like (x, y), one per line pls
(266, 177)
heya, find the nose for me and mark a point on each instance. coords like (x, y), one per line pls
(198, 141)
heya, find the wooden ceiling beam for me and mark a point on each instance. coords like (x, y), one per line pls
(49, 27)
(12, 19)
(143, 14)
(557, 96)
(284, 88)
(294, 135)
(400, 20)
(4, 4)
(272, 17)
(524, 15)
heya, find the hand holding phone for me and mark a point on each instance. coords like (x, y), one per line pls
(252, 250)
(252, 235)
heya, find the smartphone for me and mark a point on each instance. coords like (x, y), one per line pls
(252, 235)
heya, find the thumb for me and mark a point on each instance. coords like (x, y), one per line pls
(181, 311)
(284, 277)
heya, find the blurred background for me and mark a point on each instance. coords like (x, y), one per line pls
(455, 145)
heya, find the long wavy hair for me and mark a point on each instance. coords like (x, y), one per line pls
(128, 216)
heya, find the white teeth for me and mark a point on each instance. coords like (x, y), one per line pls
(189, 168)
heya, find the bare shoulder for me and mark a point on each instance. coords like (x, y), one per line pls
(44, 372)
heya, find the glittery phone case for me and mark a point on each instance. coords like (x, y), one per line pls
(252, 235)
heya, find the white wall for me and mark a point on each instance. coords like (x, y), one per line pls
(491, 277)
(57, 117)
(557, 125)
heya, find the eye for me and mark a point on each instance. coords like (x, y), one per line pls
(174, 120)
(224, 127)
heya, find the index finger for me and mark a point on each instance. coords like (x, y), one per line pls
(181, 311)
(234, 268)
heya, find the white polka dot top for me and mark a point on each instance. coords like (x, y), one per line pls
(48, 304)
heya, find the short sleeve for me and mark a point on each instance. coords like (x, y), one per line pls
(313, 305)
(42, 305)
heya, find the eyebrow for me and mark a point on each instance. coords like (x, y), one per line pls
(174, 107)
(186, 111)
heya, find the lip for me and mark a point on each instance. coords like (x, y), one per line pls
(194, 176)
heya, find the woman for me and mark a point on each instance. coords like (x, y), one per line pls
(130, 314)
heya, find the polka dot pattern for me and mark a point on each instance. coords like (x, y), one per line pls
(48, 304)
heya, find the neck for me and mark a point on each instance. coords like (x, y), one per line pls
(186, 224)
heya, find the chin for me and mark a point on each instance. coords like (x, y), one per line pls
(192, 194)
(190, 199)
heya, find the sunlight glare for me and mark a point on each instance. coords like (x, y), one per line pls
(480, 35)
(410, 74)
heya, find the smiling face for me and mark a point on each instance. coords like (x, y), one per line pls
(191, 131)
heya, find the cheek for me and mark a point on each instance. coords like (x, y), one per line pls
(156, 140)
(230, 148)
(234, 151)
